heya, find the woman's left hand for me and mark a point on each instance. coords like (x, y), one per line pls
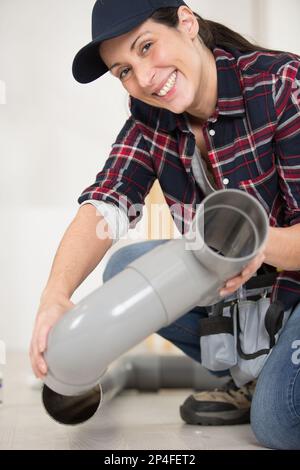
(233, 284)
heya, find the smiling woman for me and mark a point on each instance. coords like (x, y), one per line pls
(164, 67)
(209, 111)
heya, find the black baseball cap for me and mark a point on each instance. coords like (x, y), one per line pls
(112, 18)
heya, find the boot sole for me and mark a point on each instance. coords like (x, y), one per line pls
(225, 418)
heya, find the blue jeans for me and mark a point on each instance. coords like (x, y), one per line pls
(275, 410)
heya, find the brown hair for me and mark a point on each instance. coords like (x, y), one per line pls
(212, 34)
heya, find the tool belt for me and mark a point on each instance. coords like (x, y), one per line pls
(239, 334)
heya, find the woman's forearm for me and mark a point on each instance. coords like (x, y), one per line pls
(283, 248)
(82, 247)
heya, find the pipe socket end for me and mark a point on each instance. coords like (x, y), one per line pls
(72, 410)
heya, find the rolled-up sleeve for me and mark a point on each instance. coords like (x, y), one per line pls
(287, 138)
(116, 218)
(127, 175)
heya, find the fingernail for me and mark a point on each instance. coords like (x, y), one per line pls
(230, 284)
(222, 293)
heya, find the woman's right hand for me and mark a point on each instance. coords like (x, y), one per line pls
(50, 311)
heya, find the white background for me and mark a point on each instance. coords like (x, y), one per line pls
(55, 134)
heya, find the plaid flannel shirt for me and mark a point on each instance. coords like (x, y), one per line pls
(253, 143)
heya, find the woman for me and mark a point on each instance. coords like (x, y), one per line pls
(209, 110)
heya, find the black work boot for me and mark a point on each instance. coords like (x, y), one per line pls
(226, 406)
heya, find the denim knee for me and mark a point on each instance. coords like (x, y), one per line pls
(260, 422)
(274, 421)
(121, 258)
(266, 430)
(115, 264)
(275, 411)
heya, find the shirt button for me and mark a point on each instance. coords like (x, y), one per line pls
(212, 132)
(226, 181)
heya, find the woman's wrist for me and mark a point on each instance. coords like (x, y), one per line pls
(282, 249)
(271, 241)
(54, 294)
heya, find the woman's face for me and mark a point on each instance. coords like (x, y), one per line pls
(158, 65)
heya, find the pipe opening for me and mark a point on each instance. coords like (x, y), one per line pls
(71, 410)
(230, 232)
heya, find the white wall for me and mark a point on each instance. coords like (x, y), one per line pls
(227, 12)
(278, 24)
(55, 134)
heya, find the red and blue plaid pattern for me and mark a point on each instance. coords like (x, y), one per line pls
(253, 142)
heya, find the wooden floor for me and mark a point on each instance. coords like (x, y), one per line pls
(130, 421)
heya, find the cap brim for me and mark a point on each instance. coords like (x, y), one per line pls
(87, 64)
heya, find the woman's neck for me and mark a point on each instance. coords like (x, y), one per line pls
(208, 90)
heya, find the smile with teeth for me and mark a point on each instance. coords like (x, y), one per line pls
(169, 85)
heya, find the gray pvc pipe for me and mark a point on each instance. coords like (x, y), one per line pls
(229, 229)
(146, 372)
